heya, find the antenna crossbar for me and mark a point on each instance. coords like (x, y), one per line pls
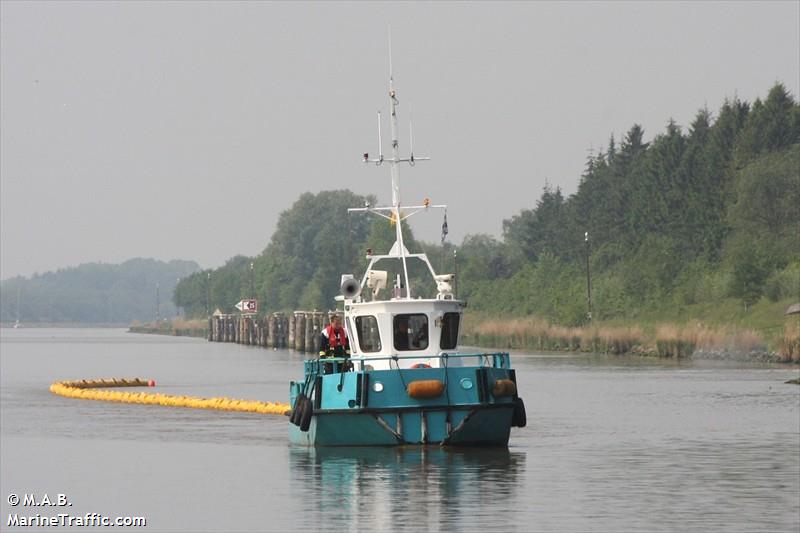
(380, 160)
(389, 208)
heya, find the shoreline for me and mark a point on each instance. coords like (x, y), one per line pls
(753, 356)
(150, 329)
(691, 339)
(65, 325)
(597, 344)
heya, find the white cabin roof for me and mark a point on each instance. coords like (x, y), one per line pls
(373, 330)
(402, 305)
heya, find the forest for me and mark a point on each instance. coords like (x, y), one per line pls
(696, 218)
(95, 293)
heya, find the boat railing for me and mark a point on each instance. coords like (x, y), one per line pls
(334, 365)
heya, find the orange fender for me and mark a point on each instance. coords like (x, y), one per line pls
(504, 387)
(425, 388)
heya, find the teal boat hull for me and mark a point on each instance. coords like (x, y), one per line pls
(374, 408)
(481, 427)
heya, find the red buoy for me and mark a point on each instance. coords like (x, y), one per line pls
(151, 383)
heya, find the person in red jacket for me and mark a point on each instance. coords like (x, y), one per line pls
(333, 343)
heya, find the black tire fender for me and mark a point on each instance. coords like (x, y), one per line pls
(306, 412)
(298, 402)
(519, 418)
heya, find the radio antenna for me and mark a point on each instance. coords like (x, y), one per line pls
(410, 135)
(380, 142)
(391, 78)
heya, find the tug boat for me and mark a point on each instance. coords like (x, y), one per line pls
(406, 381)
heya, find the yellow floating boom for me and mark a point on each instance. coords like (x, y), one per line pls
(95, 390)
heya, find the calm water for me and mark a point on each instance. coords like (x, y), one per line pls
(612, 444)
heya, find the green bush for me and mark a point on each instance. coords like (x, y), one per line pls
(784, 283)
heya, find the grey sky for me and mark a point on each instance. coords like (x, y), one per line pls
(181, 130)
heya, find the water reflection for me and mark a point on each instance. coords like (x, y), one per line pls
(406, 487)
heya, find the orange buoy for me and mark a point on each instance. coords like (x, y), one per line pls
(504, 387)
(425, 388)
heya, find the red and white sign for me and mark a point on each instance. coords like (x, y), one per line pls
(248, 306)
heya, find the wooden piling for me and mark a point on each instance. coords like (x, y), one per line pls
(280, 330)
(290, 331)
(300, 331)
(274, 331)
(318, 321)
(281, 323)
(308, 339)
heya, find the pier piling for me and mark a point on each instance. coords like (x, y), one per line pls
(299, 330)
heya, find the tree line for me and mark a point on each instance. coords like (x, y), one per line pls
(696, 214)
(97, 293)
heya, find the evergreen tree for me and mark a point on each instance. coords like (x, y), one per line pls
(749, 274)
(543, 229)
(693, 177)
(780, 131)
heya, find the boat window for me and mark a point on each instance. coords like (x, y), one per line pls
(449, 337)
(368, 337)
(410, 332)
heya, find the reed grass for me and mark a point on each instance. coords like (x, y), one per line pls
(789, 343)
(665, 340)
(538, 334)
(619, 340)
(194, 323)
(179, 327)
(673, 340)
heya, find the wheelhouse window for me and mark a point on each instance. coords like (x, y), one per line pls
(369, 339)
(410, 332)
(449, 339)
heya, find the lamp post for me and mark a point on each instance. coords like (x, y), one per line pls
(208, 294)
(588, 279)
(455, 273)
(252, 283)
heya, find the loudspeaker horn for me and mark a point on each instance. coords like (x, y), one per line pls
(351, 288)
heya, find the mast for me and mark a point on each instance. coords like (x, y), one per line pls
(393, 213)
(395, 170)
